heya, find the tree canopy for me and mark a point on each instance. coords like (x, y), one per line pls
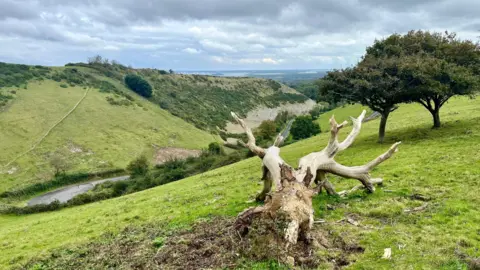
(139, 85)
(428, 68)
(303, 127)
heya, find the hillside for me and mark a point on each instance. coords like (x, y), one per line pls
(205, 101)
(113, 125)
(442, 164)
(98, 135)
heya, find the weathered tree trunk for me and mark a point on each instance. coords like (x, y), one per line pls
(289, 210)
(436, 118)
(287, 215)
(383, 126)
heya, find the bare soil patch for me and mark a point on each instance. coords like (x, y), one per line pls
(165, 154)
(212, 244)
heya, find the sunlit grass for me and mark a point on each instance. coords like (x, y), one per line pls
(109, 136)
(443, 164)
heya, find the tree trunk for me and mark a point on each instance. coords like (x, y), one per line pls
(287, 215)
(436, 118)
(383, 125)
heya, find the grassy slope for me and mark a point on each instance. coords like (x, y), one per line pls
(114, 134)
(443, 163)
(206, 101)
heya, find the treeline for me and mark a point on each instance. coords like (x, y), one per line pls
(422, 67)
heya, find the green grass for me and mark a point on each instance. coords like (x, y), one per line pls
(109, 136)
(442, 163)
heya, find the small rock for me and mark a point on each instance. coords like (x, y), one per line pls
(330, 207)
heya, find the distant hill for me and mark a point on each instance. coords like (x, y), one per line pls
(109, 128)
(112, 124)
(205, 101)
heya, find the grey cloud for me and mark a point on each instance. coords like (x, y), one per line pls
(314, 33)
(17, 9)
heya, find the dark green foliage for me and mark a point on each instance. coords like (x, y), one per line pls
(164, 105)
(207, 103)
(267, 130)
(303, 127)
(279, 98)
(55, 205)
(432, 67)
(17, 75)
(138, 85)
(283, 117)
(63, 85)
(308, 88)
(139, 167)
(162, 72)
(274, 85)
(215, 148)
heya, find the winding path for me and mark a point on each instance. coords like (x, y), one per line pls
(66, 193)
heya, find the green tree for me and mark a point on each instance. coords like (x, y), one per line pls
(59, 162)
(215, 148)
(435, 66)
(267, 130)
(139, 166)
(303, 127)
(373, 83)
(138, 85)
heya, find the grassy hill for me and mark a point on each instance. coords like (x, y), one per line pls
(96, 136)
(205, 101)
(443, 164)
(112, 124)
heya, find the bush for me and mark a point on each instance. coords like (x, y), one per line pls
(63, 85)
(267, 130)
(139, 167)
(138, 85)
(215, 148)
(303, 127)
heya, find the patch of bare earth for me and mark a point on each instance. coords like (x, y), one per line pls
(212, 244)
(217, 245)
(165, 154)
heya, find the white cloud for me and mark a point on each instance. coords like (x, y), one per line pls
(191, 51)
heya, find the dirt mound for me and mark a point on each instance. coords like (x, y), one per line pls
(165, 154)
(216, 245)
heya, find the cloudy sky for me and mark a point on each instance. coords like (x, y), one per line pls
(218, 34)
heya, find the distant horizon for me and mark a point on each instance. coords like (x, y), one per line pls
(180, 70)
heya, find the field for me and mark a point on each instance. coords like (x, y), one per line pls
(96, 136)
(443, 164)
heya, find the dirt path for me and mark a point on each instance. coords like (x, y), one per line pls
(48, 131)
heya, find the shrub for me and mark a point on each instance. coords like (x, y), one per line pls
(63, 85)
(215, 148)
(267, 130)
(164, 105)
(138, 167)
(138, 85)
(303, 127)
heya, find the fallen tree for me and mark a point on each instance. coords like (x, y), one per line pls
(287, 214)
